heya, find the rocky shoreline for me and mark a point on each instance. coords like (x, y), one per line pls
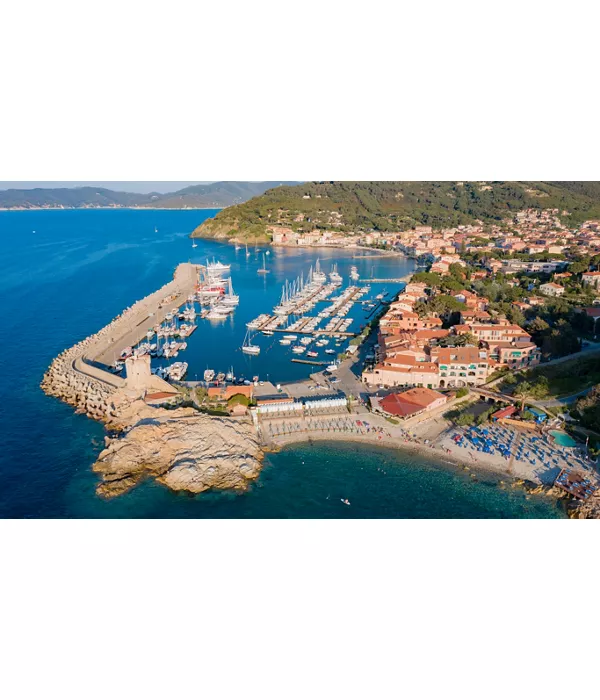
(182, 448)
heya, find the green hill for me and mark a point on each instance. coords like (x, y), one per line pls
(215, 195)
(393, 206)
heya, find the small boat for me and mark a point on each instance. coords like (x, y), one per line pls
(268, 333)
(345, 501)
(354, 276)
(229, 377)
(312, 354)
(330, 351)
(285, 341)
(194, 244)
(299, 349)
(209, 375)
(335, 276)
(248, 348)
(290, 337)
(332, 368)
(247, 251)
(264, 270)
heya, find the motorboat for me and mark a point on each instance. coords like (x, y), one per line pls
(285, 341)
(217, 266)
(209, 375)
(299, 349)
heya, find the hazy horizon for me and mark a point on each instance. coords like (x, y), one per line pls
(139, 187)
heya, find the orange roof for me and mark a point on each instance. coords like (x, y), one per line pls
(409, 402)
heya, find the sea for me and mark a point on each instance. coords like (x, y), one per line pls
(65, 274)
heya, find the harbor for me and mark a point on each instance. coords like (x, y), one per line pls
(315, 316)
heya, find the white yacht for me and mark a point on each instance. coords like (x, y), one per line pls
(217, 266)
(248, 348)
(230, 299)
(335, 276)
(318, 275)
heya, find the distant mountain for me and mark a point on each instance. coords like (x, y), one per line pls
(217, 195)
(393, 206)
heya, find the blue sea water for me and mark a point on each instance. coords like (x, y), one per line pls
(65, 274)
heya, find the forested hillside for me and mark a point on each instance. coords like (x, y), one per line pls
(393, 206)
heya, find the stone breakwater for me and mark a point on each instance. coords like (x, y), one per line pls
(86, 387)
(181, 448)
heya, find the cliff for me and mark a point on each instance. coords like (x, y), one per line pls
(182, 449)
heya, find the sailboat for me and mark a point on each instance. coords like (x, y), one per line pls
(248, 348)
(155, 230)
(247, 251)
(194, 244)
(263, 270)
(230, 299)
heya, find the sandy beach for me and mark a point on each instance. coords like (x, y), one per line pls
(432, 438)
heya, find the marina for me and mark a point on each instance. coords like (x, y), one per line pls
(143, 263)
(208, 316)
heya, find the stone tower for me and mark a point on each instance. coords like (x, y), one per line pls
(137, 369)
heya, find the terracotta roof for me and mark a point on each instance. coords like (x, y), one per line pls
(409, 402)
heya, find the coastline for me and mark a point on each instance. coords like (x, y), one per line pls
(503, 479)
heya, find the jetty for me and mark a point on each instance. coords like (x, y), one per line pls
(392, 280)
(316, 363)
(79, 375)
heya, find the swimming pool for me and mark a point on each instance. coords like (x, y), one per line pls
(562, 439)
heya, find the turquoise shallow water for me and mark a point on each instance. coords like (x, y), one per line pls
(79, 270)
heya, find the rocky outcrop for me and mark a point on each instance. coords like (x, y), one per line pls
(183, 449)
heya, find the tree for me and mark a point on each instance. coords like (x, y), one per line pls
(238, 400)
(523, 392)
(465, 419)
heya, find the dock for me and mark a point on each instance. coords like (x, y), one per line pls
(395, 280)
(316, 332)
(315, 363)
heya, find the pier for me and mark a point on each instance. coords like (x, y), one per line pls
(316, 363)
(394, 280)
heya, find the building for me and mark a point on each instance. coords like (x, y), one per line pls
(411, 403)
(459, 367)
(515, 355)
(552, 290)
(591, 278)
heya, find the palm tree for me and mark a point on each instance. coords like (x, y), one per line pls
(523, 392)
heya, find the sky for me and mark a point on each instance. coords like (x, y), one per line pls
(120, 186)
